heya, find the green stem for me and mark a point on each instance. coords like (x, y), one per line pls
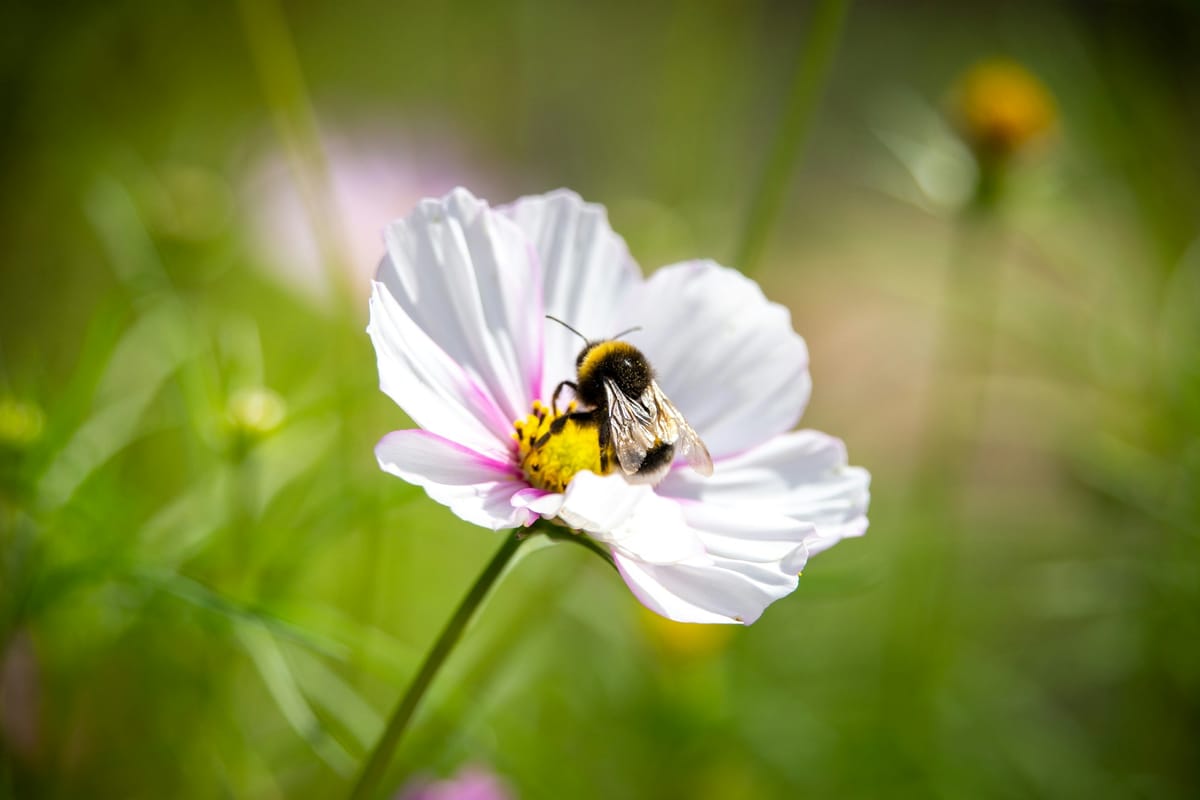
(376, 765)
(963, 347)
(817, 51)
(927, 576)
(277, 64)
(560, 534)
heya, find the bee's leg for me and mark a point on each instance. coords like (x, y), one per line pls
(557, 390)
(605, 435)
(556, 427)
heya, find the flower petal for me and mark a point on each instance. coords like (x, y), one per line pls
(724, 591)
(726, 356)
(429, 385)
(586, 270)
(467, 277)
(477, 488)
(539, 501)
(801, 475)
(692, 567)
(630, 519)
(749, 533)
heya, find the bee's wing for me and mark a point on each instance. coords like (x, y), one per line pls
(637, 425)
(631, 423)
(673, 428)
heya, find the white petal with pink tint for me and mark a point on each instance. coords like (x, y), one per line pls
(633, 520)
(802, 475)
(467, 277)
(749, 533)
(477, 488)
(727, 590)
(587, 273)
(688, 561)
(538, 501)
(725, 356)
(429, 385)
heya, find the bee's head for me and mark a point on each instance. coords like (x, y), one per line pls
(589, 345)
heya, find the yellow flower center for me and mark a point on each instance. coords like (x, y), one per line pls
(553, 447)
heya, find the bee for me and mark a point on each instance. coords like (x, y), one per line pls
(635, 421)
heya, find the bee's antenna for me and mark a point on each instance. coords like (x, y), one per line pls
(628, 330)
(568, 327)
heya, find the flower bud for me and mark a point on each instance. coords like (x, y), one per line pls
(1001, 108)
(255, 413)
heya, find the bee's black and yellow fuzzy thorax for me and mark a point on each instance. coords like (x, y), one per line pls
(617, 361)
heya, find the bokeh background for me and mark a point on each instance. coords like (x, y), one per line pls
(208, 589)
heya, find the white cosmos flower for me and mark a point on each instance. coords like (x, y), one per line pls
(458, 320)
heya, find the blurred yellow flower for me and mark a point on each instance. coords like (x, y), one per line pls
(684, 640)
(1000, 107)
(21, 424)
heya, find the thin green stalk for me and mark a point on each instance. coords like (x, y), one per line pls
(560, 534)
(963, 347)
(381, 755)
(278, 67)
(927, 574)
(816, 55)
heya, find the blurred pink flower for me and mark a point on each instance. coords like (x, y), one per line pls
(369, 176)
(471, 783)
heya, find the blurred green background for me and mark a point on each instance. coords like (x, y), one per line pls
(208, 588)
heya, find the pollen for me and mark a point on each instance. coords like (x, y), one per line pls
(553, 447)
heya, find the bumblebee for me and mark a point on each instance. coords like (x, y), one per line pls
(638, 427)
